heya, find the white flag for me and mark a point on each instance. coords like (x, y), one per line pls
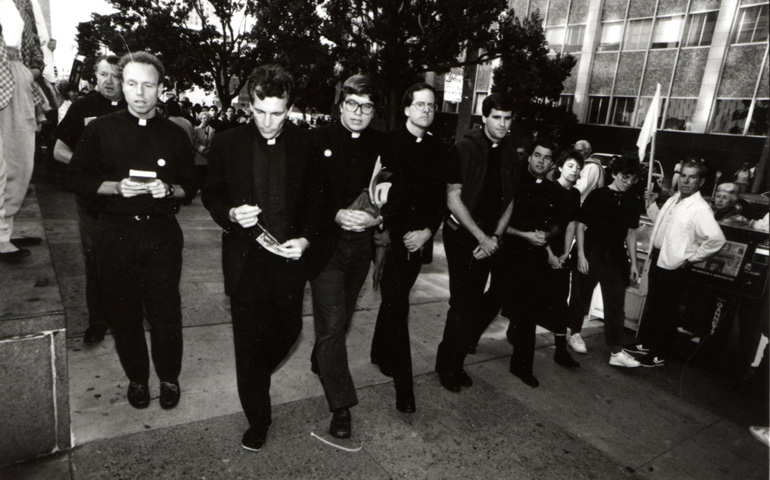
(650, 124)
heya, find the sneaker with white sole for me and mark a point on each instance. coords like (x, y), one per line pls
(577, 344)
(622, 359)
(652, 361)
(761, 433)
(636, 348)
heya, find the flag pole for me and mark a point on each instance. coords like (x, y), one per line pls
(652, 157)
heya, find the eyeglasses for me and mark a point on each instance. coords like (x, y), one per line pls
(425, 107)
(352, 106)
(629, 179)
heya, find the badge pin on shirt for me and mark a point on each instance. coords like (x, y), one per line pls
(327, 153)
(161, 162)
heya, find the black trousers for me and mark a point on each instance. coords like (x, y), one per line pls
(528, 302)
(139, 263)
(390, 343)
(666, 288)
(335, 292)
(266, 307)
(87, 224)
(611, 272)
(469, 306)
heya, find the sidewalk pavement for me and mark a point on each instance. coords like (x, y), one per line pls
(593, 422)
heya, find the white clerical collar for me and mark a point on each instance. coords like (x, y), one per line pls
(114, 103)
(143, 122)
(355, 134)
(271, 141)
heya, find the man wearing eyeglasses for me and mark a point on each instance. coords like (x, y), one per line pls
(349, 150)
(412, 216)
(607, 220)
(482, 174)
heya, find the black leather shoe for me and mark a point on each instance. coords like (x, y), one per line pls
(449, 381)
(405, 402)
(340, 425)
(93, 334)
(254, 438)
(527, 378)
(563, 358)
(26, 241)
(169, 394)
(15, 257)
(464, 379)
(138, 395)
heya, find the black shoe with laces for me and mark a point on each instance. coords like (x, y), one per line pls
(340, 426)
(169, 394)
(138, 395)
(94, 334)
(254, 438)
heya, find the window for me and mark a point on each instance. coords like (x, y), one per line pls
(668, 31)
(480, 96)
(597, 109)
(641, 111)
(679, 114)
(699, 29)
(622, 111)
(638, 34)
(760, 118)
(555, 38)
(730, 116)
(567, 101)
(612, 34)
(575, 34)
(751, 24)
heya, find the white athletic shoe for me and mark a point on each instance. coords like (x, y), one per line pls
(577, 344)
(623, 359)
(761, 433)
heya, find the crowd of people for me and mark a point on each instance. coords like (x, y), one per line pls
(528, 231)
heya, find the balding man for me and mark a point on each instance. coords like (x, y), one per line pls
(592, 174)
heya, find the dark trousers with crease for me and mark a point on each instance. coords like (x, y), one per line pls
(390, 343)
(335, 292)
(657, 329)
(468, 304)
(611, 272)
(87, 225)
(266, 307)
(139, 265)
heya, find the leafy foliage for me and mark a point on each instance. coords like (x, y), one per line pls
(533, 77)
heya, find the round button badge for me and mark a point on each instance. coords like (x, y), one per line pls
(161, 163)
(327, 153)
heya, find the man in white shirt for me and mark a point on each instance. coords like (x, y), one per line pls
(684, 233)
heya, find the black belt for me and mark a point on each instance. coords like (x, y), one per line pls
(135, 218)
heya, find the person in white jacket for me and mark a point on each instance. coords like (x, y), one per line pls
(684, 233)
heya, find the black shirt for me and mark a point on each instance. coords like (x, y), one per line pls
(417, 197)
(486, 212)
(81, 113)
(269, 167)
(538, 205)
(114, 144)
(607, 215)
(571, 208)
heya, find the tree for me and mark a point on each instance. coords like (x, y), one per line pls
(233, 38)
(397, 41)
(532, 77)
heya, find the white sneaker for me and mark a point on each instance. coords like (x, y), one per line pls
(762, 434)
(623, 359)
(577, 343)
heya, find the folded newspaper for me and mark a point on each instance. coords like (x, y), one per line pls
(375, 196)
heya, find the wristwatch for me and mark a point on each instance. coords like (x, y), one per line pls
(171, 190)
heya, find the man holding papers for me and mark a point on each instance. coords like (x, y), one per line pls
(134, 168)
(261, 187)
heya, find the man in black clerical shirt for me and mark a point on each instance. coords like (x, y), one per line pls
(539, 215)
(412, 215)
(134, 168)
(262, 188)
(482, 173)
(107, 99)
